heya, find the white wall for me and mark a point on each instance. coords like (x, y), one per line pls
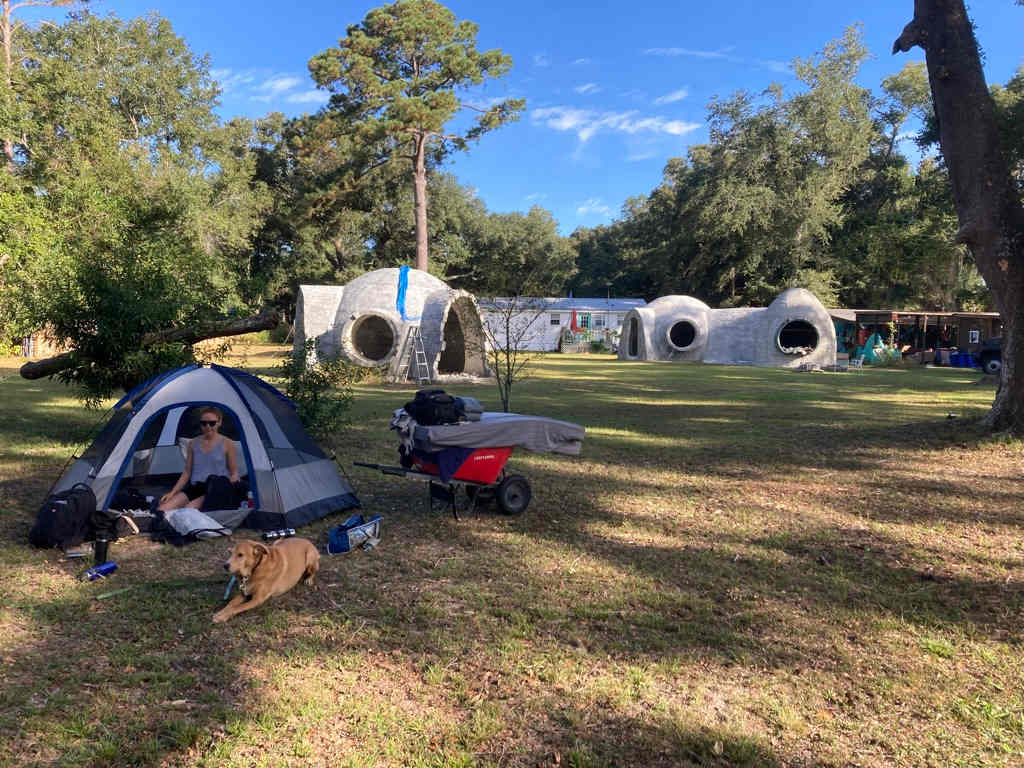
(541, 335)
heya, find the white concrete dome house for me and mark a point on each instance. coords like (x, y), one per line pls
(795, 329)
(369, 322)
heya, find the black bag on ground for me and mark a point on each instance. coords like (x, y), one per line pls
(432, 406)
(64, 519)
(129, 499)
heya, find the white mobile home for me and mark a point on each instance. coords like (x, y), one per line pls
(538, 324)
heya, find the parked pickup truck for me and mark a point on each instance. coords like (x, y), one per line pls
(991, 355)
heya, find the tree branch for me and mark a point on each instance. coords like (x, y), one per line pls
(211, 330)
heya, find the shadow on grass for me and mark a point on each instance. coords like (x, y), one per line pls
(143, 678)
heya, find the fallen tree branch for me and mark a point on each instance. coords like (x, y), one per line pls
(264, 321)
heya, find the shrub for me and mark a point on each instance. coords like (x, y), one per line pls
(320, 386)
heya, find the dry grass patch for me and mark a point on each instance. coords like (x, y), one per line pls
(744, 568)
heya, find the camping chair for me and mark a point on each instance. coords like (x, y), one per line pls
(856, 363)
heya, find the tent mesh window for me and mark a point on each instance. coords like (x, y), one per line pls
(283, 435)
(104, 443)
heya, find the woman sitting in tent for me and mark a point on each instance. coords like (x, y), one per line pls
(211, 455)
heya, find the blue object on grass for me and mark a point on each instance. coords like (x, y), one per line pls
(99, 571)
(353, 533)
(231, 585)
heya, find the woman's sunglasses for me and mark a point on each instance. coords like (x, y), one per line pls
(208, 423)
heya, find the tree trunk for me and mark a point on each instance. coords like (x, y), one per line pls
(212, 330)
(990, 212)
(419, 187)
(7, 32)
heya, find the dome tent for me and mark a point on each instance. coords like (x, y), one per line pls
(143, 445)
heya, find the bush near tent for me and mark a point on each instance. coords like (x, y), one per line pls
(143, 446)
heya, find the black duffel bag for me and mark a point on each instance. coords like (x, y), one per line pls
(65, 519)
(432, 406)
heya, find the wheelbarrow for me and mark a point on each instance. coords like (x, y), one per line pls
(470, 457)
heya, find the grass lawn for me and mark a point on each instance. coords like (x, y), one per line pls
(745, 567)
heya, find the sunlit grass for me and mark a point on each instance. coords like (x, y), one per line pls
(745, 567)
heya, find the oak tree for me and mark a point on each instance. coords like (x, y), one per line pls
(986, 197)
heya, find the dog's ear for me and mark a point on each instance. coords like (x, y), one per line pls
(260, 547)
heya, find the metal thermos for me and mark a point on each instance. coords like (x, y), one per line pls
(99, 548)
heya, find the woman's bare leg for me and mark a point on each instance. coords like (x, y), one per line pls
(177, 501)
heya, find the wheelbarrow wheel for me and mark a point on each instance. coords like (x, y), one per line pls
(514, 495)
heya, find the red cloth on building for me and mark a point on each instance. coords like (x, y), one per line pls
(573, 326)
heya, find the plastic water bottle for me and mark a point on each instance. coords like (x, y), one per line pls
(249, 501)
(99, 571)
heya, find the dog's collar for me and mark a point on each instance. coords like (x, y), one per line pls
(243, 585)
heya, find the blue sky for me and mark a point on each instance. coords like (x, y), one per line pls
(612, 89)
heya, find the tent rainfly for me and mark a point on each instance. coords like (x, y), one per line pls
(143, 445)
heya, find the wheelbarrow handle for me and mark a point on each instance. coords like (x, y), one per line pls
(368, 466)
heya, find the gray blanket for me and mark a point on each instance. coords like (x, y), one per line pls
(495, 429)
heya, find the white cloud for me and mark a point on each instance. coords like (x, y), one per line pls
(639, 157)
(307, 97)
(586, 123)
(275, 86)
(671, 98)
(593, 206)
(540, 60)
(686, 52)
(588, 88)
(725, 54)
(581, 62)
(536, 196)
(774, 66)
(231, 81)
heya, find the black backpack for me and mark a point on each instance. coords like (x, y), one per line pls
(432, 406)
(65, 519)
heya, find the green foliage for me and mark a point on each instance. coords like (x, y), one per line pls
(393, 81)
(321, 388)
(806, 190)
(511, 254)
(395, 76)
(135, 215)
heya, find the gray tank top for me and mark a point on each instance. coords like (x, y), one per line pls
(205, 464)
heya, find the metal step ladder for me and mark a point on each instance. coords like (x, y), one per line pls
(413, 356)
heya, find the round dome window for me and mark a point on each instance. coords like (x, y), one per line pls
(797, 337)
(682, 334)
(373, 338)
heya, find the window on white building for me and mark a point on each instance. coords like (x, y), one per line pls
(556, 319)
(584, 321)
(619, 319)
(598, 321)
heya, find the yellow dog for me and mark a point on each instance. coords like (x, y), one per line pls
(266, 572)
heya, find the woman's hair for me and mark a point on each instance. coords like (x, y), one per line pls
(211, 409)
